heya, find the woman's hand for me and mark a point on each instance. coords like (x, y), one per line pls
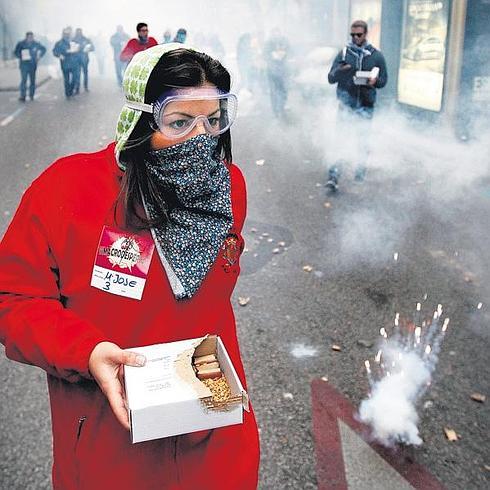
(106, 366)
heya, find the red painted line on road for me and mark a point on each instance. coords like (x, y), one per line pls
(328, 405)
(330, 468)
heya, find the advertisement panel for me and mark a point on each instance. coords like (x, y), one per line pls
(370, 12)
(476, 60)
(423, 53)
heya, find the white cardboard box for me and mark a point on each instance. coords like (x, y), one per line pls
(165, 398)
(362, 77)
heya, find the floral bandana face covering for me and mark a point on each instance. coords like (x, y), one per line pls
(201, 217)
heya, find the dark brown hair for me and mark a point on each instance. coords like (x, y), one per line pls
(175, 69)
(360, 23)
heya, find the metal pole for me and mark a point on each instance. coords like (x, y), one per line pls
(455, 59)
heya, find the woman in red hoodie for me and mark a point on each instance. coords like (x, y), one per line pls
(168, 185)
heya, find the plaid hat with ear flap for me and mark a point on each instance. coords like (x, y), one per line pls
(136, 78)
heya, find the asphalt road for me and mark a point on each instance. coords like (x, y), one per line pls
(437, 223)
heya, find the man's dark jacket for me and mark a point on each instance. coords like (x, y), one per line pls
(62, 51)
(36, 49)
(85, 46)
(363, 58)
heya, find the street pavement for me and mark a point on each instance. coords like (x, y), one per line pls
(332, 282)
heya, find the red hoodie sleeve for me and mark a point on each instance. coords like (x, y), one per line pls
(128, 51)
(35, 327)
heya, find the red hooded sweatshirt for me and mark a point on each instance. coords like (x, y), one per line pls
(135, 46)
(51, 317)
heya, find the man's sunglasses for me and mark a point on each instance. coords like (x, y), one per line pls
(357, 34)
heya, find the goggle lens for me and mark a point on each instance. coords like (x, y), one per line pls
(176, 116)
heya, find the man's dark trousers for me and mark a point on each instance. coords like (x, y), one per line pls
(27, 69)
(70, 76)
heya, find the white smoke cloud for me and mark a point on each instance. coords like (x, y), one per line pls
(399, 376)
(416, 171)
(390, 410)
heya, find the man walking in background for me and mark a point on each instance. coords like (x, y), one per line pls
(358, 70)
(245, 58)
(135, 45)
(167, 37)
(180, 36)
(118, 41)
(276, 53)
(29, 52)
(85, 46)
(67, 52)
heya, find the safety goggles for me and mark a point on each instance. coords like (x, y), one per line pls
(178, 115)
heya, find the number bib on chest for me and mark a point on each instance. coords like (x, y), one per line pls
(122, 262)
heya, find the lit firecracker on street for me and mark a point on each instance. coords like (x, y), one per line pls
(399, 374)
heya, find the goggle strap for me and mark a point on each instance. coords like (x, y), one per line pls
(139, 106)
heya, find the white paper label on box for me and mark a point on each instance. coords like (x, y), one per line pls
(158, 382)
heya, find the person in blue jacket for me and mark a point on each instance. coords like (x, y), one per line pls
(85, 47)
(29, 52)
(180, 36)
(167, 37)
(118, 40)
(67, 52)
(356, 94)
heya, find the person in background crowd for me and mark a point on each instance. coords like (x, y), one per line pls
(85, 47)
(67, 52)
(167, 37)
(216, 48)
(168, 187)
(118, 40)
(245, 59)
(180, 36)
(276, 52)
(100, 41)
(356, 95)
(135, 45)
(29, 52)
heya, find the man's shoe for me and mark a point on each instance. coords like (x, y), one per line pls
(22, 99)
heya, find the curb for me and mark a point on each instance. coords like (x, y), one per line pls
(16, 88)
